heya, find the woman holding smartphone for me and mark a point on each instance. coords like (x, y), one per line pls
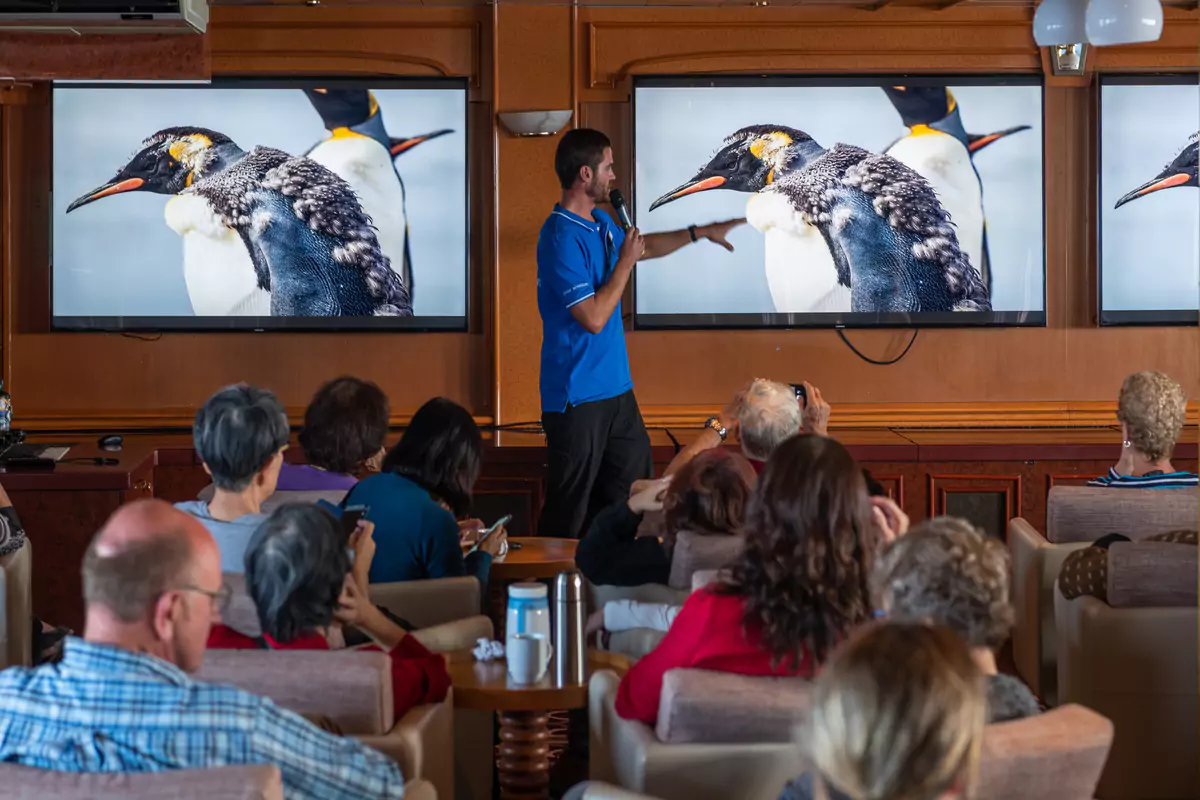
(422, 491)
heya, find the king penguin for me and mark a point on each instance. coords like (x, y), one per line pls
(942, 152)
(891, 241)
(360, 151)
(308, 241)
(1182, 171)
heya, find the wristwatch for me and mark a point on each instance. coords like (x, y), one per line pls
(692, 232)
(715, 424)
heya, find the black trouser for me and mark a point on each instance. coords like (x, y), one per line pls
(597, 450)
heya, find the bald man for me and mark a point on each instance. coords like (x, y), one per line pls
(121, 699)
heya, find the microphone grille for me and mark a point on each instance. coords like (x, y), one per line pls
(615, 197)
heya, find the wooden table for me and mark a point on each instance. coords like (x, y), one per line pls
(523, 757)
(540, 557)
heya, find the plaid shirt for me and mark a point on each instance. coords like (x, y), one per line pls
(103, 709)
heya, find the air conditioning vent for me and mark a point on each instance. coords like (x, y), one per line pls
(104, 16)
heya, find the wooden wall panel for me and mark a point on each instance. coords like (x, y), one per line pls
(109, 381)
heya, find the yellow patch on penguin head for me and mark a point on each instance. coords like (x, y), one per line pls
(345, 133)
(187, 149)
(771, 148)
(374, 105)
(951, 103)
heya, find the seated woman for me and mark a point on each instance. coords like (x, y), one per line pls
(305, 588)
(948, 572)
(708, 495)
(1151, 409)
(897, 714)
(345, 426)
(798, 588)
(424, 488)
(240, 434)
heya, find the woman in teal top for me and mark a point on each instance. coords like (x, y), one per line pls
(423, 489)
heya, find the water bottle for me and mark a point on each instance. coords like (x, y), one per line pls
(570, 666)
(5, 409)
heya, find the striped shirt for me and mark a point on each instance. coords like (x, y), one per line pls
(104, 709)
(1154, 480)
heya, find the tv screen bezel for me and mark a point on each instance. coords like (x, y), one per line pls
(827, 320)
(1127, 317)
(249, 324)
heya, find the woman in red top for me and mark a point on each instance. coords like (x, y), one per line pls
(300, 576)
(801, 584)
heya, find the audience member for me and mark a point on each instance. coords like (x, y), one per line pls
(424, 488)
(800, 585)
(345, 427)
(240, 434)
(948, 572)
(122, 701)
(897, 714)
(708, 496)
(305, 588)
(761, 417)
(47, 639)
(1151, 409)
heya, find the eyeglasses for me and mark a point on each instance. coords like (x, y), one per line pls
(220, 597)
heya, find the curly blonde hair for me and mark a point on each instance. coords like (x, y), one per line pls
(1153, 408)
(948, 572)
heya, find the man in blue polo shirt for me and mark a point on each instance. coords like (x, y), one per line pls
(594, 432)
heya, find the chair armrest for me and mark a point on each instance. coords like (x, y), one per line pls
(422, 745)
(451, 636)
(16, 608)
(430, 602)
(421, 790)
(595, 790)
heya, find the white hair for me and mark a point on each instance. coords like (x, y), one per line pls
(769, 416)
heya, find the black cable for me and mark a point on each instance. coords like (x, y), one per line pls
(671, 436)
(873, 361)
(154, 337)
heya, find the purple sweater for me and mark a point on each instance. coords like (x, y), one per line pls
(303, 478)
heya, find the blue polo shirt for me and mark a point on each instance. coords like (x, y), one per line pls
(575, 257)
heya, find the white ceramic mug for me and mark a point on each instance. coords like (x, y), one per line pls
(528, 656)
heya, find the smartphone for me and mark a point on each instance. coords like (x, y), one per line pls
(350, 517)
(801, 394)
(507, 518)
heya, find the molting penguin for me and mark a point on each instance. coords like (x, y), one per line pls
(941, 151)
(360, 151)
(309, 243)
(1182, 171)
(890, 239)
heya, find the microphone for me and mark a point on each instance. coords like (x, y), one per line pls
(618, 204)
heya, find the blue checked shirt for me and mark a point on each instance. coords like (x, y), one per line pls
(103, 709)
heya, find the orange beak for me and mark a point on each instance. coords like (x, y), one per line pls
(113, 187)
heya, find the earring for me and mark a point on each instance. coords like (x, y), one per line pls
(1127, 444)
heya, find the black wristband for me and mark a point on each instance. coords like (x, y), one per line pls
(692, 232)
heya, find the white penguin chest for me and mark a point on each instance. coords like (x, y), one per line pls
(800, 272)
(217, 269)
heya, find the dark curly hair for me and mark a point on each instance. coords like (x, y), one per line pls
(709, 494)
(441, 451)
(947, 571)
(345, 424)
(810, 543)
(296, 564)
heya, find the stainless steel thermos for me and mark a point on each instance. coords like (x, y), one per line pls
(570, 643)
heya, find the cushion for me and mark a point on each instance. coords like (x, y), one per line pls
(241, 614)
(696, 551)
(352, 688)
(704, 706)
(1152, 574)
(251, 782)
(1054, 756)
(1085, 513)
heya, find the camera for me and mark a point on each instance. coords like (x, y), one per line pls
(801, 394)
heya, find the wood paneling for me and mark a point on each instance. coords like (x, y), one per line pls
(536, 56)
(971, 486)
(47, 56)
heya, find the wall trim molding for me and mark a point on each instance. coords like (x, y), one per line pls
(176, 419)
(933, 415)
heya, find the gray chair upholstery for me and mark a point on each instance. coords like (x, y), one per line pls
(1134, 660)
(1076, 516)
(16, 634)
(273, 502)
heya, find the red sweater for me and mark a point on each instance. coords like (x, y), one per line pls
(707, 634)
(418, 676)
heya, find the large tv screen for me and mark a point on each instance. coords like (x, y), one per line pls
(871, 201)
(1149, 214)
(249, 204)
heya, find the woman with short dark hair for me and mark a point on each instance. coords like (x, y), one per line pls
(305, 588)
(345, 427)
(423, 490)
(800, 585)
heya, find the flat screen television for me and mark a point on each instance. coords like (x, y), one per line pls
(1149, 215)
(260, 204)
(872, 201)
